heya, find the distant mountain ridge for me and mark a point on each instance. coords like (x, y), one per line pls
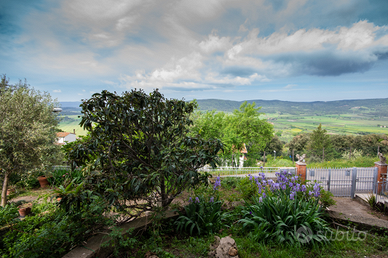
(374, 107)
(377, 107)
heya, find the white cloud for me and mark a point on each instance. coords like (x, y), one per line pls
(57, 91)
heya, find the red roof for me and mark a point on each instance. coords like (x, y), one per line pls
(62, 134)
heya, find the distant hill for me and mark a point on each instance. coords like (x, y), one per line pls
(372, 107)
(364, 107)
(71, 104)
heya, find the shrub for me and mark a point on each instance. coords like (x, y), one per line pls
(61, 176)
(8, 213)
(203, 213)
(326, 199)
(202, 216)
(285, 211)
(52, 233)
(281, 219)
(247, 188)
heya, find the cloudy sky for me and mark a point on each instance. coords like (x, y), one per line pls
(296, 50)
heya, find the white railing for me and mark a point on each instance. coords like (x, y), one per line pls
(241, 171)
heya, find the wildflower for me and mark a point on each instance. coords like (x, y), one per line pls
(311, 193)
(264, 195)
(196, 199)
(190, 200)
(292, 196)
(250, 213)
(316, 194)
(304, 188)
(212, 199)
(217, 183)
(261, 199)
(250, 177)
(284, 187)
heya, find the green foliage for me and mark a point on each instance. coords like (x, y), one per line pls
(247, 188)
(361, 162)
(274, 145)
(372, 200)
(280, 219)
(229, 182)
(59, 177)
(279, 162)
(52, 231)
(244, 126)
(202, 216)
(27, 131)
(326, 199)
(352, 155)
(141, 145)
(8, 213)
(120, 240)
(319, 140)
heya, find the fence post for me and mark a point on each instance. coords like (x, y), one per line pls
(354, 181)
(375, 172)
(328, 181)
(301, 168)
(381, 174)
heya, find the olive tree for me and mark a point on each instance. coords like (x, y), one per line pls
(27, 131)
(142, 149)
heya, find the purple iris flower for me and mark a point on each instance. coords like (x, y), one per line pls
(217, 183)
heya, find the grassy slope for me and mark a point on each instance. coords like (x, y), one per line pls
(339, 117)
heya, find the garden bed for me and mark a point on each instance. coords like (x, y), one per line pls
(164, 238)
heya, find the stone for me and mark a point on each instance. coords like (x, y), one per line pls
(232, 251)
(227, 248)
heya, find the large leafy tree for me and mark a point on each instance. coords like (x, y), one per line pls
(27, 131)
(141, 145)
(244, 126)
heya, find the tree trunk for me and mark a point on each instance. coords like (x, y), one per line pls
(4, 190)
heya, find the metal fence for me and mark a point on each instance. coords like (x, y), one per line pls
(243, 171)
(345, 182)
(382, 190)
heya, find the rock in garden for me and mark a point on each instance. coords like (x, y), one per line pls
(227, 248)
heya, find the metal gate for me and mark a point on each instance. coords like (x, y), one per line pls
(344, 182)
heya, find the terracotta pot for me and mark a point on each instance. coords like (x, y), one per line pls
(24, 211)
(9, 191)
(43, 181)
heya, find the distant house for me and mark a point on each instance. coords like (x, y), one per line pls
(64, 137)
